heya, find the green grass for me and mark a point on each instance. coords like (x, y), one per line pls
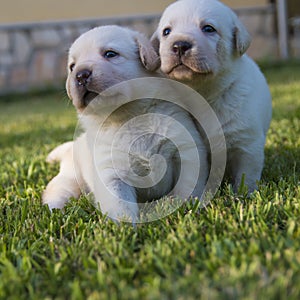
(236, 248)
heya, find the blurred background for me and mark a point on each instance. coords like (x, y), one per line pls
(35, 34)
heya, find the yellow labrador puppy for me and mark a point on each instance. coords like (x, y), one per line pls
(202, 43)
(99, 59)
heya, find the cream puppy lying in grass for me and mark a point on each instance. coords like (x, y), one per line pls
(98, 60)
(202, 44)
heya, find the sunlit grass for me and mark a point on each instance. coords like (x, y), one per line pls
(235, 248)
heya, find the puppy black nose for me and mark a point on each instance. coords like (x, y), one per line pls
(83, 76)
(181, 47)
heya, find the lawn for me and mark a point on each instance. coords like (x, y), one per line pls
(235, 248)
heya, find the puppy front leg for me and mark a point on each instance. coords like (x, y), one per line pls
(203, 175)
(64, 185)
(59, 190)
(246, 164)
(194, 178)
(116, 199)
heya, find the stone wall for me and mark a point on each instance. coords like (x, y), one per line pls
(261, 23)
(295, 41)
(33, 56)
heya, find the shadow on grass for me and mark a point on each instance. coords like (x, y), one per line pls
(278, 72)
(282, 163)
(39, 136)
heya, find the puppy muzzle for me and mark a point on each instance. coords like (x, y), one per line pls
(82, 77)
(84, 88)
(185, 59)
(181, 48)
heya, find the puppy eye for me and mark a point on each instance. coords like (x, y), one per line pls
(110, 54)
(166, 31)
(71, 67)
(208, 29)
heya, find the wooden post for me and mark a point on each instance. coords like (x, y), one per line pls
(282, 25)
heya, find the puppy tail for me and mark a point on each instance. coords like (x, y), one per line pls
(59, 152)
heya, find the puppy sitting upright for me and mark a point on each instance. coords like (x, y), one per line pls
(99, 60)
(202, 44)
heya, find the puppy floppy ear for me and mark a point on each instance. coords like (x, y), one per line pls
(241, 38)
(155, 42)
(148, 55)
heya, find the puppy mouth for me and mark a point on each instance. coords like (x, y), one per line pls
(88, 96)
(178, 67)
(203, 70)
(189, 67)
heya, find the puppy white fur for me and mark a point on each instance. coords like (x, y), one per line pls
(99, 59)
(202, 43)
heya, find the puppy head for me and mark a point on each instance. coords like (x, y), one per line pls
(199, 38)
(105, 56)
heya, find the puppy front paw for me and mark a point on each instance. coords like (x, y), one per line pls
(54, 200)
(59, 152)
(59, 190)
